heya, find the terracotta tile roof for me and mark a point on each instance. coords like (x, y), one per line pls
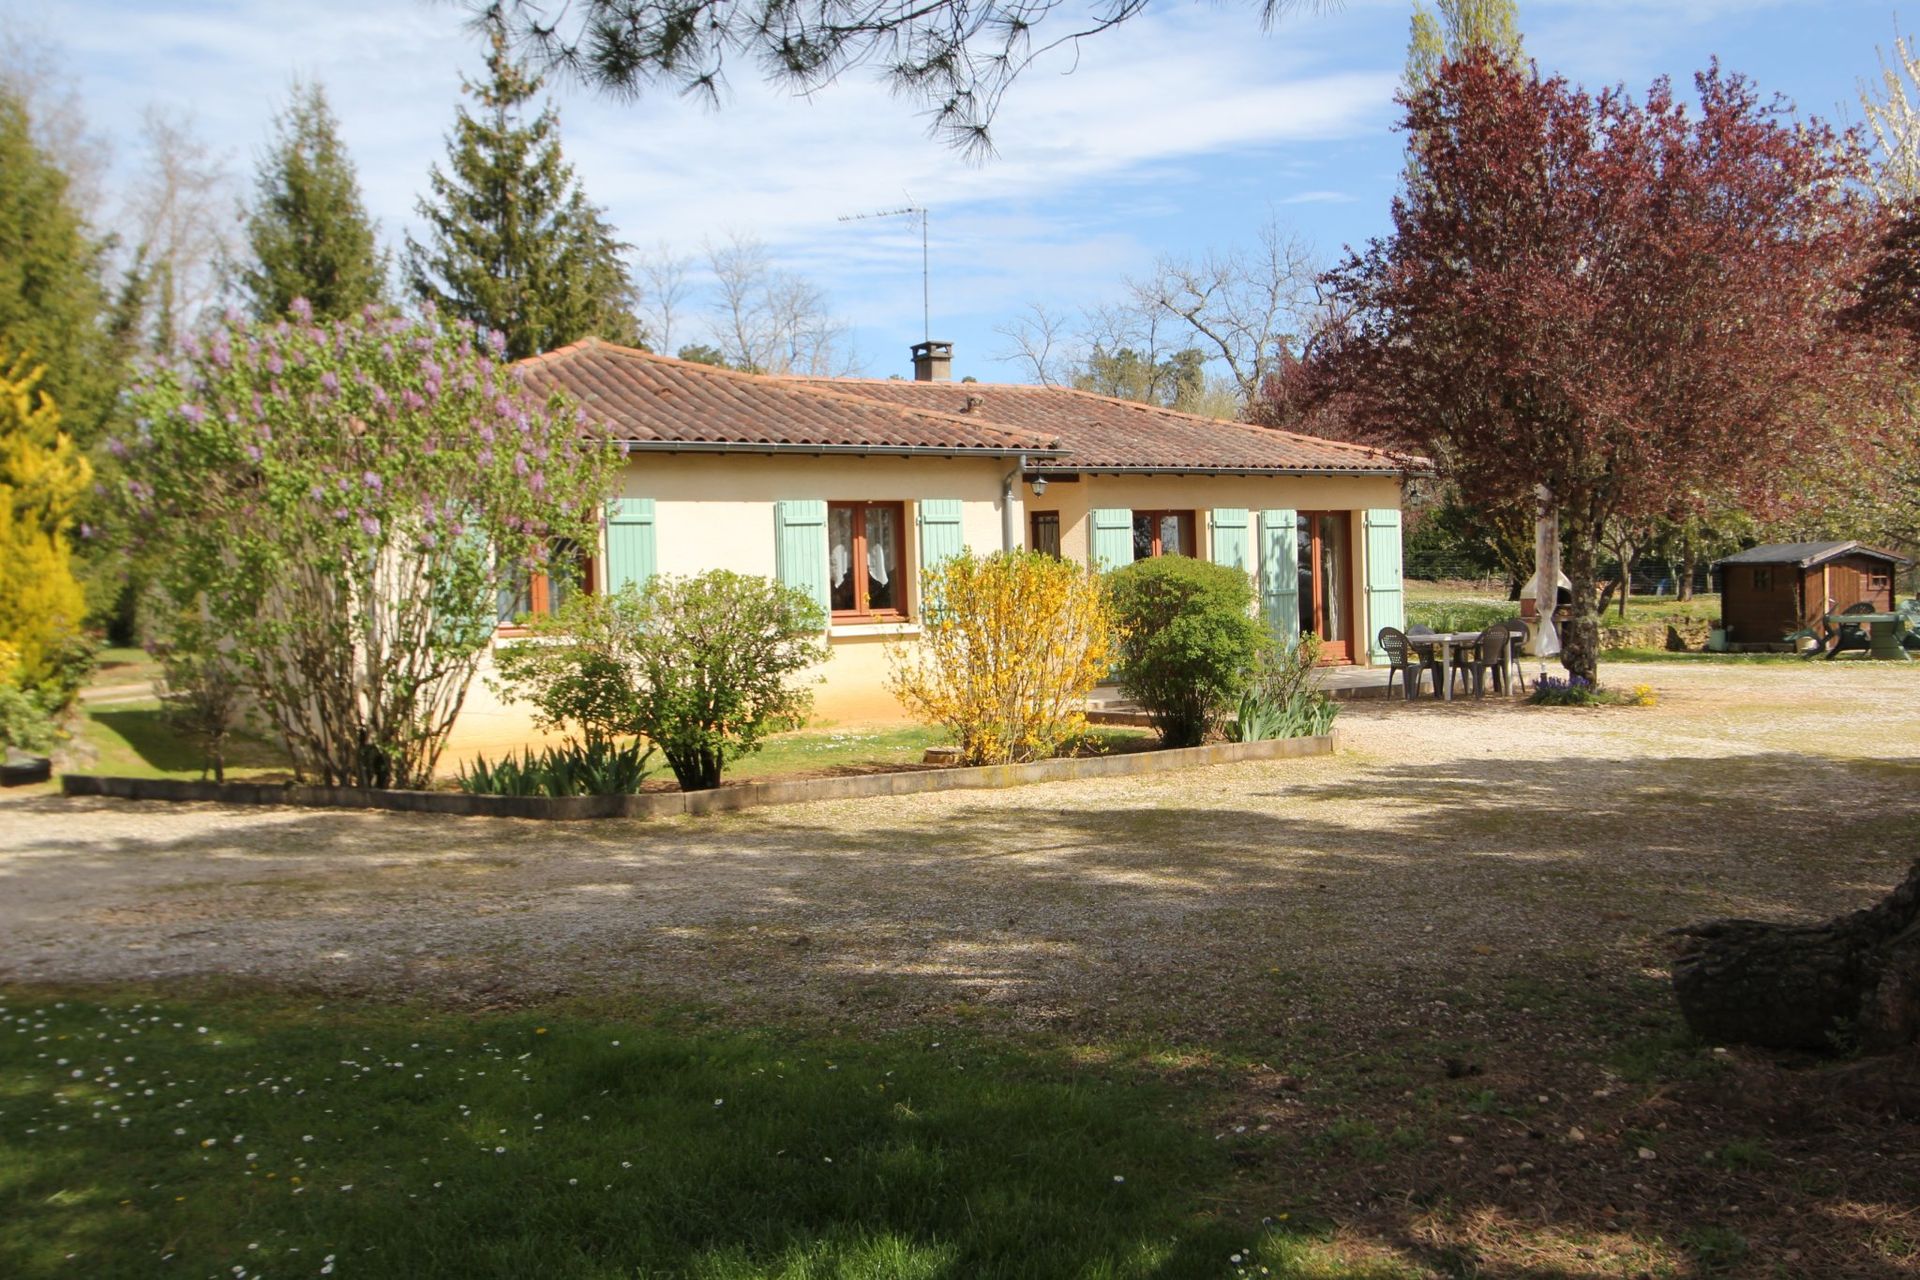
(1104, 434)
(656, 401)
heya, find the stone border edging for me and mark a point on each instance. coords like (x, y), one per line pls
(662, 804)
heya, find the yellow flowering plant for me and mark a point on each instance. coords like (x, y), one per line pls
(1010, 645)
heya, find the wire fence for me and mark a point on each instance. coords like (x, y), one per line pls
(1471, 578)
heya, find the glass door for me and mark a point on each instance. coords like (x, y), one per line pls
(1326, 581)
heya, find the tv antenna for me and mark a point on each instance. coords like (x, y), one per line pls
(926, 277)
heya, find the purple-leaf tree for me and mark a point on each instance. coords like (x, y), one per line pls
(334, 509)
(1633, 302)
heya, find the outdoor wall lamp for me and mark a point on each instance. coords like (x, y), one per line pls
(1039, 485)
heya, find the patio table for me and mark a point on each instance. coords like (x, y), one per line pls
(1446, 642)
(1883, 633)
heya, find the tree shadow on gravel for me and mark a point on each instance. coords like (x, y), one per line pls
(1369, 966)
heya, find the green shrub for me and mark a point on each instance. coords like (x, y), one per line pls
(1459, 615)
(24, 721)
(1284, 698)
(1188, 641)
(600, 767)
(203, 698)
(702, 667)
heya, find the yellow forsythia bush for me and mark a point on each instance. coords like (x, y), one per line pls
(42, 479)
(1010, 646)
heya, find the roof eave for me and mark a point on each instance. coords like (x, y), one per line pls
(1185, 470)
(890, 450)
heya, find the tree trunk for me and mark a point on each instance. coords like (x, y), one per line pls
(1688, 560)
(1627, 557)
(1580, 640)
(1851, 983)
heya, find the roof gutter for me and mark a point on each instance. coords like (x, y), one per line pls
(1231, 471)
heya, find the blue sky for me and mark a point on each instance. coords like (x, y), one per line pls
(1181, 130)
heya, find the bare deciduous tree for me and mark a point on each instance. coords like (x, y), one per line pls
(1894, 121)
(181, 220)
(662, 276)
(1241, 306)
(1241, 310)
(1038, 341)
(766, 320)
(33, 70)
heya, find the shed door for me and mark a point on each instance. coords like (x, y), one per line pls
(1846, 585)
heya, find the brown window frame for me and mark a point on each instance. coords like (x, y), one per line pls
(1189, 529)
(1879, 579)
(1034, 521)
(540, 594)
(1763, 579)
(861, 612)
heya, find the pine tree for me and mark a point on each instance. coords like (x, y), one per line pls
(513, 242)
(308, 229)
(43, 477)
(52, 302)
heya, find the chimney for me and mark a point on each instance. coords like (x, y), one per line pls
(933, 362)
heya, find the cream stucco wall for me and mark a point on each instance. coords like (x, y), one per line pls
(717, 511)
(1074, 500)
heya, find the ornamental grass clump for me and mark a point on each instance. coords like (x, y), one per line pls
(1010, 646)
(335, 509)
(599, 767)
(703, 667)
(1284, 698)
(1188, 642)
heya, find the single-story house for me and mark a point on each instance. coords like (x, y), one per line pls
(850, 488)
(1771, 591)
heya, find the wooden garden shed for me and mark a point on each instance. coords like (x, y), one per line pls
(1769, 592)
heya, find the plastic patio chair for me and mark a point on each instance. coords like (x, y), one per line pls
(1519, 636)
(1486, 655)
(1410, 660)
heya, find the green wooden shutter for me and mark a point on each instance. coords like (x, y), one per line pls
(631, 546)
(1227, 530)
(1386, 594)
(1111, 544)
(462, 618)
(940, 538)
(1280, 570)
(800, 546)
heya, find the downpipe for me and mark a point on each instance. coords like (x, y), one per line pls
(1009, 533)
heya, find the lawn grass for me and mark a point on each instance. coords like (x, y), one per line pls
(866, 750)
(136, 740)
(1426, 600)
(124, 666)
(255, 1136)
(1696, 658)
(813, 750)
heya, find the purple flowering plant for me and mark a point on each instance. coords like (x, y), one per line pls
(322, 503)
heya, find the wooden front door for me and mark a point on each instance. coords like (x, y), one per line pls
(1326, 581)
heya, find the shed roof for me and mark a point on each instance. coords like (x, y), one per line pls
(1805, 555)
(1101, 433)
(653, 401)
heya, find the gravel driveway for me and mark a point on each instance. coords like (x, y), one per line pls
(1515, 839)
